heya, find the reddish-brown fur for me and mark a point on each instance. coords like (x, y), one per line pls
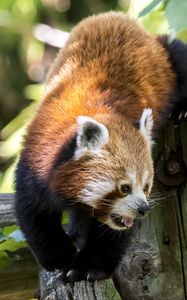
(88, 149)
(110, 70)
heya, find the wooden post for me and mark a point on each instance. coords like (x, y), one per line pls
(52, 288)
(155, 266)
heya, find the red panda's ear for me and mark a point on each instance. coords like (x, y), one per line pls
(146, 124)
(91, 135)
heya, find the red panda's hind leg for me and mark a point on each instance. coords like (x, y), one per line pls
(39, 217)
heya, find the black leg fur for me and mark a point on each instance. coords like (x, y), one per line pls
(79, 223)
(40, 223)
(101, 254)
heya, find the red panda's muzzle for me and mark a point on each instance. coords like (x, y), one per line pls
(122, 221)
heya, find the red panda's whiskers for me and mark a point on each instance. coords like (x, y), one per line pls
(153, 205)
(106, 202)
(106, 230)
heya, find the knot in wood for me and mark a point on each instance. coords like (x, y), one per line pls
(172, 167)
(142, 263)
(171, 172)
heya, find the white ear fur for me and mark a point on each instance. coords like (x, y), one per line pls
(146, 123)
(92, 135)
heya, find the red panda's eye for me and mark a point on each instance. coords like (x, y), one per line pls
(125, 188)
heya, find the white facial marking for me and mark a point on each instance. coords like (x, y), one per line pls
(112, 225)
(96, 190)
(145, 177)
(132, 176)
(146, 123)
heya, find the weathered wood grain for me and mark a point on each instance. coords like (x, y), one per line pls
(52, 288)
(7, 211)
(155, 266)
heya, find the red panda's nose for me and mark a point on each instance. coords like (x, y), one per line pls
(143, 209)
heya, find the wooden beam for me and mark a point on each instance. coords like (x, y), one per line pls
(7, 211)
(53, 288)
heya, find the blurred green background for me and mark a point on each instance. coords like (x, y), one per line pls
(31, 32)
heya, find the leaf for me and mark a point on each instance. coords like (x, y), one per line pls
(65, 218)
(7, 181)
(155, 22)
(182, 35)
(11, 146)
(7, 230)
(13, 232)
(2, 237)
(4, 260)
(11, 245)
(34, 91)
(20, 120)
(176, 13)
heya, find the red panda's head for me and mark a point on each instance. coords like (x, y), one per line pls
(111, 169)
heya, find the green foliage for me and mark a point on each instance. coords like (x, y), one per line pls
(11, 240)
(4, 260)
(156, 22)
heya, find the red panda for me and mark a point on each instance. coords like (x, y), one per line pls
(88, 149)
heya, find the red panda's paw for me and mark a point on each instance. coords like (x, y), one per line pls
(57, 258)
(90, 274)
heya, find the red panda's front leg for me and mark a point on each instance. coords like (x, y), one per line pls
(40, 220)
(100, 256)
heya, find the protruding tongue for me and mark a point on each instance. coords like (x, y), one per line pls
(128, 221)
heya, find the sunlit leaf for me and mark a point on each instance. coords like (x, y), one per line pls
(25, 9)
(156, 22)
(20, 120)
(65, 218)
(34, 91)
(11, 146)
(7, 180)
(11, 245)
(7, 230)
(182, 35)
